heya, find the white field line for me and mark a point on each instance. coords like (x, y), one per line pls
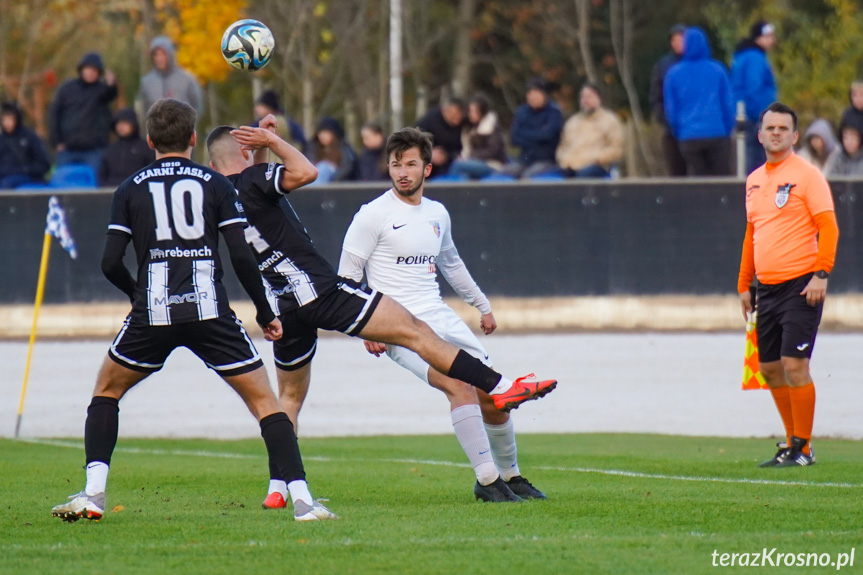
(616, 472)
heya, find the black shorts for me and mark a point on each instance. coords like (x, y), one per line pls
(221, 343)
(345, 308)
(786, 325)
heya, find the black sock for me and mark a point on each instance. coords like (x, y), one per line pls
(100, 430)
(282, 448)
(469, 369)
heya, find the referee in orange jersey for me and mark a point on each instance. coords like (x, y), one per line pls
(790, 246)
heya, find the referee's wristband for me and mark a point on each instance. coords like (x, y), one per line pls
(821, 274)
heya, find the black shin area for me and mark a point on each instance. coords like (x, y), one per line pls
(469, 369)
(282, 448)
(100, 430)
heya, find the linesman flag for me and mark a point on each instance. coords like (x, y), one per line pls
(56, 226)
(752, 378)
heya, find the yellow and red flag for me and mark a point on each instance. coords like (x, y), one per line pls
(752, 378)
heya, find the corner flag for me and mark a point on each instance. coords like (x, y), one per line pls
(55, 225)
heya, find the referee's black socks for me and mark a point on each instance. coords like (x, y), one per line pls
(100, 430)
(469, 369)
(282, 448)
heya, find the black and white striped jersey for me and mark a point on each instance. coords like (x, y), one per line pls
(291, 265)
(173, 210)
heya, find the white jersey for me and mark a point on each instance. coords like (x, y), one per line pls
(401, 244)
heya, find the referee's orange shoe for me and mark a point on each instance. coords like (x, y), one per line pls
(523, 389)
(274, 501)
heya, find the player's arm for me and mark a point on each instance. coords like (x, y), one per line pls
(747, 270)
(247, 272)
(112, 262)
(828, 238)
(455, 272)
(297, 170)
(352, 265)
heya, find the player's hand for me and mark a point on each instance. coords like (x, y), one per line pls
(269, 123)
(251, 138)
(746, 304)
(375, 348)
(273, 330)
(487, 323)
(815, 291)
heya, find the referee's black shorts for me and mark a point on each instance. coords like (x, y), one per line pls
(787, 325)
(346, 308)
(221, 343)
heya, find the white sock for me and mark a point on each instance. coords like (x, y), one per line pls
(467, 423)
(97, 477)
(503, 449)
(299, 490)
(278, 486)
(503, 385)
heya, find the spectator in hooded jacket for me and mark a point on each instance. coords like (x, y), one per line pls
(127, 154)
(536, 130)
(372, 165)
(592, 139)
(286, 128)
(847, 158)
(167, 79)
(332, 155)
(853, 114)
(483, 148)
(674, 162)
(81, 116)
(700, 108)
(753, 83)
(23, 158)
(818, 143)
(444, 124)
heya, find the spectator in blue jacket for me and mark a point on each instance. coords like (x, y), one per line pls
(536, 130)
(699, 108)
(23, 158)
(753, 83)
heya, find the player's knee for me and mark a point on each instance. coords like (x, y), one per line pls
(796, 371)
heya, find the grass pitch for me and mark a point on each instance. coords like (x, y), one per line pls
(618, 504)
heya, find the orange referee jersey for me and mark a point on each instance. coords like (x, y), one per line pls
(782, 201)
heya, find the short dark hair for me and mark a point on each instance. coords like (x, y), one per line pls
(374, 127)
(403, 140)
(215, 136)
(454, 101)
(482, 102)
(170, 125)
(593, 88)
(778, 108)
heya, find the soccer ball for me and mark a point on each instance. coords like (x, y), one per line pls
(247, 45)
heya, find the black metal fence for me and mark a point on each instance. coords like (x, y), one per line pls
(518, 239)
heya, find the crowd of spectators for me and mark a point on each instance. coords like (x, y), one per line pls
(695, 100)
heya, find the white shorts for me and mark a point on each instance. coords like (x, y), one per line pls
(450, 327)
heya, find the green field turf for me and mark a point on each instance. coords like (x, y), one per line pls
(618, 504)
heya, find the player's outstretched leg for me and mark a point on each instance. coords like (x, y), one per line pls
(391, 323)
(501, 436)
(100, 438)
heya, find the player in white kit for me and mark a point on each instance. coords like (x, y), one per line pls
(401, 240)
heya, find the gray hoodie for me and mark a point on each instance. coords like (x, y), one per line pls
(174, 82)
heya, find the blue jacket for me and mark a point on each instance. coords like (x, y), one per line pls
(22, 152)
(537, 133)
(698, 99)
(752, 79)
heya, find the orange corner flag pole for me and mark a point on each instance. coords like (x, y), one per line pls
(40, 290)
(752, 378)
